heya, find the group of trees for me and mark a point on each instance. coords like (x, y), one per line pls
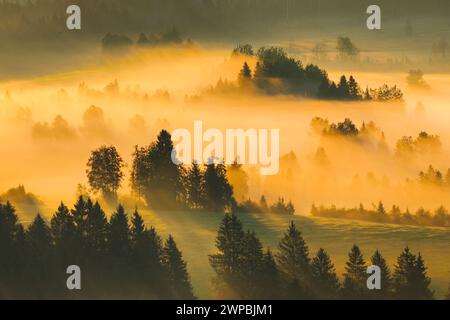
(345, 128)
(422, 144)
(118, 259)
(244, 270)
(112, 42)
(164, 184)
(279, 207)
(277, 73)
(434, 177)
(440, 217)
(167, 185)
(405, 147)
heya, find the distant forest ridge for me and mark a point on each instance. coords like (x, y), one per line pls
(201, 16)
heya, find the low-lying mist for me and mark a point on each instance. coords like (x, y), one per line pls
(49, 125)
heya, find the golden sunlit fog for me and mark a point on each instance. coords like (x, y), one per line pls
(50, 124)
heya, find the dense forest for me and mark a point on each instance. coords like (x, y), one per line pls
(39, 17)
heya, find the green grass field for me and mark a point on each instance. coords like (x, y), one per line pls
(195, 235)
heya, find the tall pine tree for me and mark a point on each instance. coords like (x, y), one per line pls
(326, 283)
(355, 276)
(177, 272)
(293, 259)
(386, 279)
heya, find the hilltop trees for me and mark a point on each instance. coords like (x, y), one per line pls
(104, 172)
(155, 176)
(218, 191)
(277, 73)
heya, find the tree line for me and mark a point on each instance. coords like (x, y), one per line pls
(245, 270)
(422, 217)
(112, 42)
(277, 73)
(118, 258)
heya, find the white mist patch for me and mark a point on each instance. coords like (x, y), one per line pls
(250, 146)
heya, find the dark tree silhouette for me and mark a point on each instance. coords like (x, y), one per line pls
(218, 191)
(175, 266)
(245, 76)
(386, 279)
(410, 277)
(155, 176)
(293, 259)
(326, 283)
(195, 191)
(105, 172)
(355, 276)
(230, 243)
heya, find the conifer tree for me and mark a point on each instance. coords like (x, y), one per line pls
(227, 262)
(119, 235)
(326, 283)
(355, 276)
(353, 89)
(386, 279)
(410, 277)
(251, 267)
(96, 229)
(79, 213)
(195, 187)
(293, 258)
(177, 272)
(63, 233)
(421, 282)
(218, 191)
(245, 76)
(343, 89)
(270, 286)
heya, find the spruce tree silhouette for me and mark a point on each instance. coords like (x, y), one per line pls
(269, 282)
(355, 276)
(252, 267)
(410, 277)
(175, 266)
(386, 278)
(156, 176)
(218, 191)
(294, 262)
(195, 187)
(227, 262)
(326, 283)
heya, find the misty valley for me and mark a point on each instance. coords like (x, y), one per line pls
(224, 150)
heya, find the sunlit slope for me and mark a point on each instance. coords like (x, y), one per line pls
(195, 235)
